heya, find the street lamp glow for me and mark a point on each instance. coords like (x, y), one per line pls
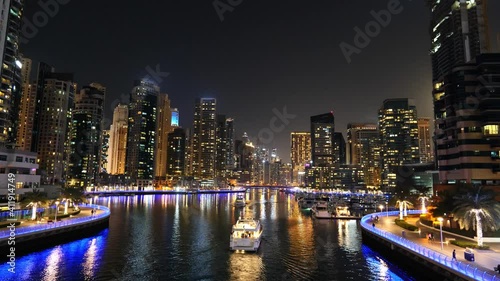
(387, 209)
(381, 208)
(440, 219)
(57, 209)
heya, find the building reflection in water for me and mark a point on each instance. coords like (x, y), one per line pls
(90, 262)
(246, 266)
(52, 263)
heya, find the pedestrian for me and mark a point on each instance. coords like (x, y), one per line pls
(454, 255)
(403, 234)
(373, 225)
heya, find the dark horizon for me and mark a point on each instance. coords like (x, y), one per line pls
(261, 57)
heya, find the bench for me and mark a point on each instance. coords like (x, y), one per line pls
(50, 221)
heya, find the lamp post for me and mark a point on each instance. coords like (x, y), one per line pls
(387, 209)
(381, 208)
(441, 230)
(57, 209)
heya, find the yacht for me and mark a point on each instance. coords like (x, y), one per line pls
(246, 235)
(240, 201)
(320, 210)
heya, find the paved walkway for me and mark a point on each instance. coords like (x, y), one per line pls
(484, 259)
(84, 212)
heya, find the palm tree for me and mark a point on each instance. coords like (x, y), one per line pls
(403, 205)
(72, 195)
(35, 199)
(477, 209)
(423, 198)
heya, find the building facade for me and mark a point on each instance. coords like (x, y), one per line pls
(117, 152)
(204, 139)
(23, 164)
(10, 72)
(163, 128)
(399, 137)
(425, 140)
(27, 108)
(300, 155)
(141, 136)
(176, 153)
(86, 137)
(363, 146)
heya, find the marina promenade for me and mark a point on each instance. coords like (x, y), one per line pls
(417, 243)
(32, 227)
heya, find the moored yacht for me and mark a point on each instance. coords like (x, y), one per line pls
(246, 235)
(320, 210)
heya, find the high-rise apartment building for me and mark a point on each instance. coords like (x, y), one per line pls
(204, 139)
(399, 137)
(117, 151)
(339, 148)
(10, 72)
(425, 140)
(176, 153)
(163, 128)
(53, 115)
(27, 108)
(322, 143)
(363, 146)
(141, 136)
(300, 154)
(86, 137)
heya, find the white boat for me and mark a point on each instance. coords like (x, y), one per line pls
(246, 235)
(320, 210)
(240, 201)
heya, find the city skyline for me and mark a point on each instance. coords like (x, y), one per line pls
(235, 72)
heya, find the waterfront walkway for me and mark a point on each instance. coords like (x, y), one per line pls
(84, 216)
(416, 241)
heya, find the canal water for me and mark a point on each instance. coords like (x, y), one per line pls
(186, 237)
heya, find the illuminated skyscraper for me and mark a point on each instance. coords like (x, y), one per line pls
(300, 151)
(86, 137)
(176, 153)
(53, 115)
(363, 149)
(117, 152)
(141, 143)
(27, 108)
(204, 139)
(399, 137)
(10, 72)
(425, 140)
(322, 143)
(163, 128)
(175, 117)
(339, 148)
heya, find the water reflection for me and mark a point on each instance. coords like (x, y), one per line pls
(186, 237)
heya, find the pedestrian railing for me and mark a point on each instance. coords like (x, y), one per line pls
(466, 269)
(20, 229)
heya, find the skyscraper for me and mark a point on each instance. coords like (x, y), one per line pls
(363, 146)
(27, 108)
(467, 136)
(425, 140)
(300, 151)
(175, 117)
(399, 137)
(230, 158)
(163, 128)
(86, 137)
(176, 153)
(117, 151)
(10, 72)
(322, 143)
(339, 148)
(204, 139)
(53, 116)
(141, 137)
(222, 147)
(459, 32)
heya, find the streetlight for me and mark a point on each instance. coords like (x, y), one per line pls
(440, 219)
(381, 208)
(57, 209)
(387, 209)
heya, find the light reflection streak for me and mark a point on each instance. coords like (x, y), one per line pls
(90, 260)
(53, 261)
(245, 266)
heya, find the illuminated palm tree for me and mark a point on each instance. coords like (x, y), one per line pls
(34, 200)
(403, 205)
(72, 195)
(422, 199)
(478, 210)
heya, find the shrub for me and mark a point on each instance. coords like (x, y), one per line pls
(468, 244)
(405, 225)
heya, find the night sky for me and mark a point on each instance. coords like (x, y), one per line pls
(263, 55)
